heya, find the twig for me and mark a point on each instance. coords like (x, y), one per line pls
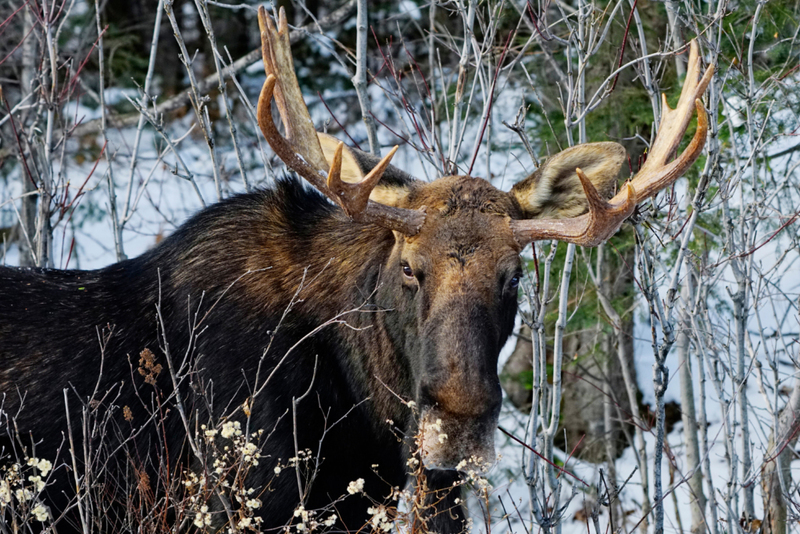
(360, 77)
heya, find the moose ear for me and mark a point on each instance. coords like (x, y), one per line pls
(394, 185)
(554, 191)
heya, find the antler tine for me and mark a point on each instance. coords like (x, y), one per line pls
(605, 218)
(358, 193)
(656, 173)
(301, 150)
(276, 52)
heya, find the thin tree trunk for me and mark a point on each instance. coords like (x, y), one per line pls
(28, 209)
(688, 415)
(610, 429)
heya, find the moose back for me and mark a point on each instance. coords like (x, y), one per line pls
(353, 325)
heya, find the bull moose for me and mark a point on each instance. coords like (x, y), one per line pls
(343, 320)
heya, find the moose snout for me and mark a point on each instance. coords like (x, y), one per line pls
(458, 418)
(458, 391)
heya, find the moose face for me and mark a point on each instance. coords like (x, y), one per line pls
(455, 285)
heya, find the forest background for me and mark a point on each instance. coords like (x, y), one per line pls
(660, 370)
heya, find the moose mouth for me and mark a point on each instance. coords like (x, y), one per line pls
(456, 443)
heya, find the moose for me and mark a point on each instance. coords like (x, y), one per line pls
(360, 320)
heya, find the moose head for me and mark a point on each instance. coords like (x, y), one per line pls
(449, 283)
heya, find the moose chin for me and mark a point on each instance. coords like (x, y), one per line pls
(354, 324)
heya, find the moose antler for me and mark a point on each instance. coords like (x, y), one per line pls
(605, 217)
(300, 149)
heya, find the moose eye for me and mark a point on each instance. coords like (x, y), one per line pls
(513, 283)
(408, 272)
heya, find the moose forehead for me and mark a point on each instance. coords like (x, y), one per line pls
(467, 220)
(458, 196)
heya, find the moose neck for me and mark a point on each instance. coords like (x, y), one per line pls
(301, 261)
